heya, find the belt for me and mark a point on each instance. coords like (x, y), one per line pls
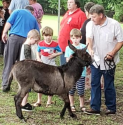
(12, 35)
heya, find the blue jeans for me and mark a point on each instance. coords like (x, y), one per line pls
(62, 59)
(109, 89)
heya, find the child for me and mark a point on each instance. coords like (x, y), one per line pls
(47, 51)
(27, 53)
(75, 36)
(4, 15)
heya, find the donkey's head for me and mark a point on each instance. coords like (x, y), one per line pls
(81, 54)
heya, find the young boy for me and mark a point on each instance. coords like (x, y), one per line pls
(47, 51)
(75, 36)
(28, 53)
(4, 15)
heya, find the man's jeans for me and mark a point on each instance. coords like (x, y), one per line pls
(109, 89)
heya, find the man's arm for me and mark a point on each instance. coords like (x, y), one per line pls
(5, 31)
(89, 37)
(89, 42)
(117, 47)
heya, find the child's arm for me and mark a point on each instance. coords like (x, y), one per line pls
(68, 58)
(27, 51)
(38, 56)
(55, 55)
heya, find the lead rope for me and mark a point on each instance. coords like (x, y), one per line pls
(111, 65)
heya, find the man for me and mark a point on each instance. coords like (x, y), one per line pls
(17, 4)
(105, 37)
(74, 18)
(21, 22)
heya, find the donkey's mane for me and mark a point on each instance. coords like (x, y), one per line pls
(65, 66)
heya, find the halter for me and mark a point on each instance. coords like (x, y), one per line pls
(111, 64)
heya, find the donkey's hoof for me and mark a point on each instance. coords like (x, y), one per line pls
(73, 116)
(61, 116)
(23, 120)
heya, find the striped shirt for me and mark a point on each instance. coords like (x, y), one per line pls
(46, 50)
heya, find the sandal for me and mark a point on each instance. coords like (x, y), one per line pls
(73, 108)
(37, 104)
(82, 109)
(49, 105)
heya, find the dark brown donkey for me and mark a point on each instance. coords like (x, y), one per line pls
(49, 80)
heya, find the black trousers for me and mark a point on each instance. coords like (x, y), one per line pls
(2, 45)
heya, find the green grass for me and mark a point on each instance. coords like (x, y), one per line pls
(0, 3)
(50, 116)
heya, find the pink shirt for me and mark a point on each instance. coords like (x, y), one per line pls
(38, 12)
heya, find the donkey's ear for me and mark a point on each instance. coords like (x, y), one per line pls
(71, 46)
(85, 47)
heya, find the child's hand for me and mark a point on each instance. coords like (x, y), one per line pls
(53, 55)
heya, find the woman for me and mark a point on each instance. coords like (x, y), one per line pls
(73, 18)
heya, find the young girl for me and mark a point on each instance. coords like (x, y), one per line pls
(28, 52)
(75, 36)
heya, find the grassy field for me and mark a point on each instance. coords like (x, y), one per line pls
(50, 116)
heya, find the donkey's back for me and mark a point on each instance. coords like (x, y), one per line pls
(41, 77)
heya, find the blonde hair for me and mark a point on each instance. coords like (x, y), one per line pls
(75, 32)
(33, 33)
(47, 31)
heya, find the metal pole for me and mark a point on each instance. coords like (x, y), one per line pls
(58, 16)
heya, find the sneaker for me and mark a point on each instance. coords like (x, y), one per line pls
(27, 107)
(110, 112)
(91, 111)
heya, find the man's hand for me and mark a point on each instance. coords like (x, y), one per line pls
(109, 56)
(4, 37)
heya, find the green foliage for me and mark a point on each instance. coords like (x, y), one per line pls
(119, 12)
(0, 3)
(111, 6)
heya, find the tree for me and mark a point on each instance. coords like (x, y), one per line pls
(111, 6)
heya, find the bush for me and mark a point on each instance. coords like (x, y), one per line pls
(119, 12)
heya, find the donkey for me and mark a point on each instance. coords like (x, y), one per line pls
(47, 79)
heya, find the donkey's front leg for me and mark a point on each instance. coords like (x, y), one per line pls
(70, 111)
(65, 98)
